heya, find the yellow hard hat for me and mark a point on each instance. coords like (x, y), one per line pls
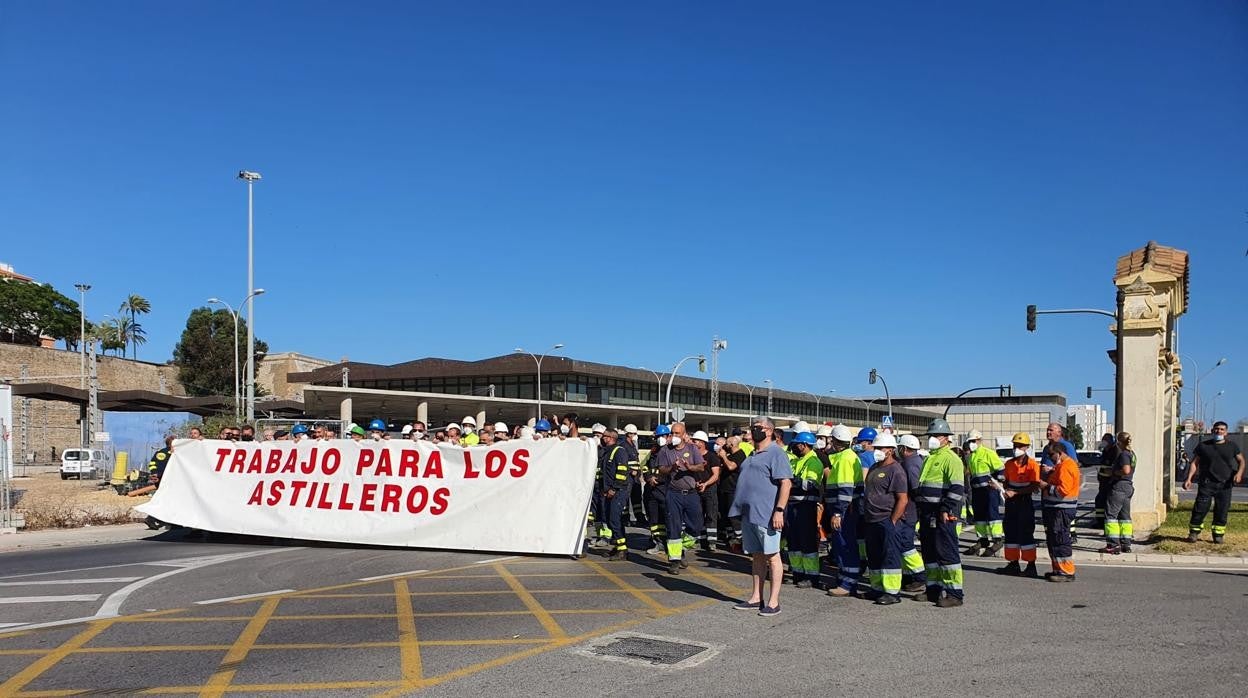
(1022, 438)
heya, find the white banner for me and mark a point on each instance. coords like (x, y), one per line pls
(517, 496)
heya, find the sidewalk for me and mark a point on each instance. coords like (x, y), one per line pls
(72, 537)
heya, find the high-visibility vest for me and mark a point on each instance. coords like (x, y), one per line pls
(807, 473)
(941, 482)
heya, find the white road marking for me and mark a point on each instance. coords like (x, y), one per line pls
(390, 576)
(51, 624)
(244, 596)
(49, 599)
(94, 580)
(10, 625)
(496, 559)
(112, 605)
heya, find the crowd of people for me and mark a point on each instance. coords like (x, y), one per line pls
(831, 508)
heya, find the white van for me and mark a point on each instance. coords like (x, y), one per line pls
(84, 462)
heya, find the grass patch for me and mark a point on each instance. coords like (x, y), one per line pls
(1171, 538)
(48, 502)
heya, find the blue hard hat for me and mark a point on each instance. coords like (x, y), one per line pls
(542, 425)
(376, 425)
(298, 429)
(804, 437)
(867, 434)
(662, 430)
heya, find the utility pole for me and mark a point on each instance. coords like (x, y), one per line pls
(717, 345)
(93, 399)
(82, 332)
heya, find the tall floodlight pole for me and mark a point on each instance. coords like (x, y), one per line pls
(251, 178)
(539, 360)
(717, 345)
(770, 385)
(82, 332)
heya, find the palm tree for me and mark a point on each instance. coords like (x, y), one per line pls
(135, 305)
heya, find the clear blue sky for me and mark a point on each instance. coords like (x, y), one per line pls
(831, 188)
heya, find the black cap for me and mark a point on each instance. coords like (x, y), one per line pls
(280, 434)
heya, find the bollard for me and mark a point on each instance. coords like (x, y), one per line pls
(119, 469)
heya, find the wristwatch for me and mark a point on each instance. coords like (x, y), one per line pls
(779, 510)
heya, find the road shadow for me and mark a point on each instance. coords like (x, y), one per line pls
(687, 585)
(1227, 574)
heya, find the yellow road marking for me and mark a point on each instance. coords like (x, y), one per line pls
(51, 659)
(249, 687)
(626, 587)
(220, 681)
(190, 619)
(530, 602)
(409, 650)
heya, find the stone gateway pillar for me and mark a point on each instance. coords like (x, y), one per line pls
(1153, 286)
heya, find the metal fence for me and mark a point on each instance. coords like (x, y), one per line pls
(8, 518)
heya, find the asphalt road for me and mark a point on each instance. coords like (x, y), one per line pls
(337, 620)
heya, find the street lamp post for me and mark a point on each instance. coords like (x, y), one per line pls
(770, 385)
(818, 416)
(1214, 412)
(872, 378)
(1199, 404)
(539, 360)
(667, 411)
(234, 316)
(251, 178)
(658, 392)
(82, 332)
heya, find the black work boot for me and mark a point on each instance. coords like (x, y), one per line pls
(1031, 571)
(1011, 569)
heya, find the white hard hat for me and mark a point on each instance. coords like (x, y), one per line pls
(630, 428)
(800, 427)
(499, 426)
(455, 426)
(824, 430)
(599, 428)
(974, 435)
(532, 422)
(526, 432)
(840, 432)
(909, 441)
(701, 436)
(885, 440)
(407, 429)
(470, 420)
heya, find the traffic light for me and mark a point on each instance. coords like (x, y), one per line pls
(701, 364)
(1031, 318)
(1089, 392)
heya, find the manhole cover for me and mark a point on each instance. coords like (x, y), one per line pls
(648, 649)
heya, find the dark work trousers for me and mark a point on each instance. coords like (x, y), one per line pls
(597, 512)
(710, 514)
(1219, 495)
(942, 561)
(732, 524)
(656, 512)
(1102, 491)
(684, 515)
(616, 507)
(845, 548)
(1020, 529)
(986, 505)
(637, 510)
(1057, 523)
(884, 556)
(801, 534)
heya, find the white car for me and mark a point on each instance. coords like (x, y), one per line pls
(84, 462)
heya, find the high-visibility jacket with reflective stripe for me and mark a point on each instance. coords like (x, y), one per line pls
(807, 474)
(1061, 489)
(747, 447)
(469, 439)
(613, 468)
(843, 484)
(985, 466)
(941, 485)
(1019, 476)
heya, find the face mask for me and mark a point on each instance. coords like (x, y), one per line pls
(662, 440)
(758, 434)
(675, 441)
(1020, 452)
(565, 429)
(858, 448)
(973, 446)
(933, 443)
(418, 435)
(1219, 437)
(716, 447)
(467, 429)
(821, 443)
(248, 437)
(879, 456)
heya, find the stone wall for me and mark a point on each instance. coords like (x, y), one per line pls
(272, 372)
(41, 425)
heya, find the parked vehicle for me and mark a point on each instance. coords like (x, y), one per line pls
(85, 463)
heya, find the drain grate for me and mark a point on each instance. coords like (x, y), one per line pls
(647, 649)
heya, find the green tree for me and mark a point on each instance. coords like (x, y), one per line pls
(110, 334)
(29, 311)
(135, 305)
(1074, 432)
(205, 353)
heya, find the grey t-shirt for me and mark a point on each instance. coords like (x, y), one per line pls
(757, 485)
(679, 457)
(882, 485)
